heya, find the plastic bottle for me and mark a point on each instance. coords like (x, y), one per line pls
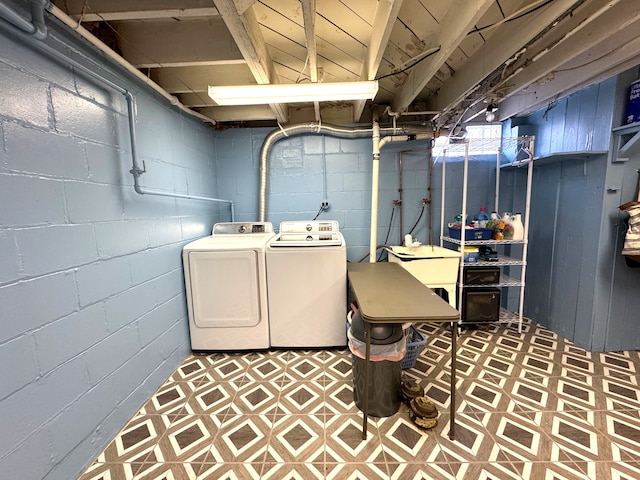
(498, 230)
(493, 220)
(518, 227)
(508, 226)
(482, 217)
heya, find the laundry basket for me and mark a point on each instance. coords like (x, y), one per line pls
(415, 342)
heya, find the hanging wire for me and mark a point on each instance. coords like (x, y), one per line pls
(319, 212)
(378, 247)
(419, 217)
(386, 240)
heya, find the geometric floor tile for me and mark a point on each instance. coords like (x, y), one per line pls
(529, 404)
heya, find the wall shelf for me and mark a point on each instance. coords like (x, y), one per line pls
(625, 137)
(559, 157)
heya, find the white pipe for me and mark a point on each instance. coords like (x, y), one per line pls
(523, 271)
(463, 233)
(375, 181)
(84, 33)
(442, 195)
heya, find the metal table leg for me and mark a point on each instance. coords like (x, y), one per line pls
(365, 405)
(452, 418)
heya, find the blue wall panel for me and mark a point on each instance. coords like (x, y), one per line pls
(91, 285)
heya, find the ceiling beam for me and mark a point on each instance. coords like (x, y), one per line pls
(309, 16)
(309, 20)
(598, 29)
(198, 79)
(383, 21)
(601, 62)
(500, 47)
(174, 13)
(171, 43)
(110, 10)
(460, 18)
(245, 30)
(239, 113)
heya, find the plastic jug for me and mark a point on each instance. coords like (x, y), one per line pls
(482, 217)
(518, 227)
(508, 226)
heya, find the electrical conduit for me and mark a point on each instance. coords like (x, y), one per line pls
(37, 30)
(36, 26)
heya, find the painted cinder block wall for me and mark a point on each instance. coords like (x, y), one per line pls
(93, 313)
(304, 170)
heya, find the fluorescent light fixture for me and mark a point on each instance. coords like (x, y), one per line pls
(293, 93)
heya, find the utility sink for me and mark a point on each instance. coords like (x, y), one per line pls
(435, 267)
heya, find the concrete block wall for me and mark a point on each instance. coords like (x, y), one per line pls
(91, 286)
(307, 169)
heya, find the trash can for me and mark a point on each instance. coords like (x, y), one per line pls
(388, 348)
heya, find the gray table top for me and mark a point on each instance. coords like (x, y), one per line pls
(387, 293)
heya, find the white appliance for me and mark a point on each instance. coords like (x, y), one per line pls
(226, 284)
(307, 285)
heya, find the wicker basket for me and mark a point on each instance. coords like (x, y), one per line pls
(415, 342)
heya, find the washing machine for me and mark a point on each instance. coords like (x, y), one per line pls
(226, 286)
(307, 285)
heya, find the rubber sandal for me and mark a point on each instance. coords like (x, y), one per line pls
(423, 407)
(410, 389)
(423, 423)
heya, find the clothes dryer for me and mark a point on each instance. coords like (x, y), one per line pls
(226, 287)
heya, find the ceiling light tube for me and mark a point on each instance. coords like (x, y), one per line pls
(292, 93)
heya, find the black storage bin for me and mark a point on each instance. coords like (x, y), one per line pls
(480, 305)
(481, 275)
(384, 386)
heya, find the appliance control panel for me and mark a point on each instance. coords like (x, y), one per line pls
(313, 226)
(242, 228)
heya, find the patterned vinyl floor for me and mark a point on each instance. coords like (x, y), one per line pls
(529, 406)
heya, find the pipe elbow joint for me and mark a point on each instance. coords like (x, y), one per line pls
(38, 7)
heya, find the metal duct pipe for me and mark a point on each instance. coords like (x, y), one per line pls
(410, 132)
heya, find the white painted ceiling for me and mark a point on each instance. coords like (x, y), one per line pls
(451, 57)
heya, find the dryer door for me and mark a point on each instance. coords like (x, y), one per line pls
(225, 288)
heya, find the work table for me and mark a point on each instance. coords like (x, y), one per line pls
(387, 293)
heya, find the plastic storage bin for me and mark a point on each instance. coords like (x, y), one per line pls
(481, 275)
(471, 233)
(480, 305)
(470, 254)
(415, 342)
